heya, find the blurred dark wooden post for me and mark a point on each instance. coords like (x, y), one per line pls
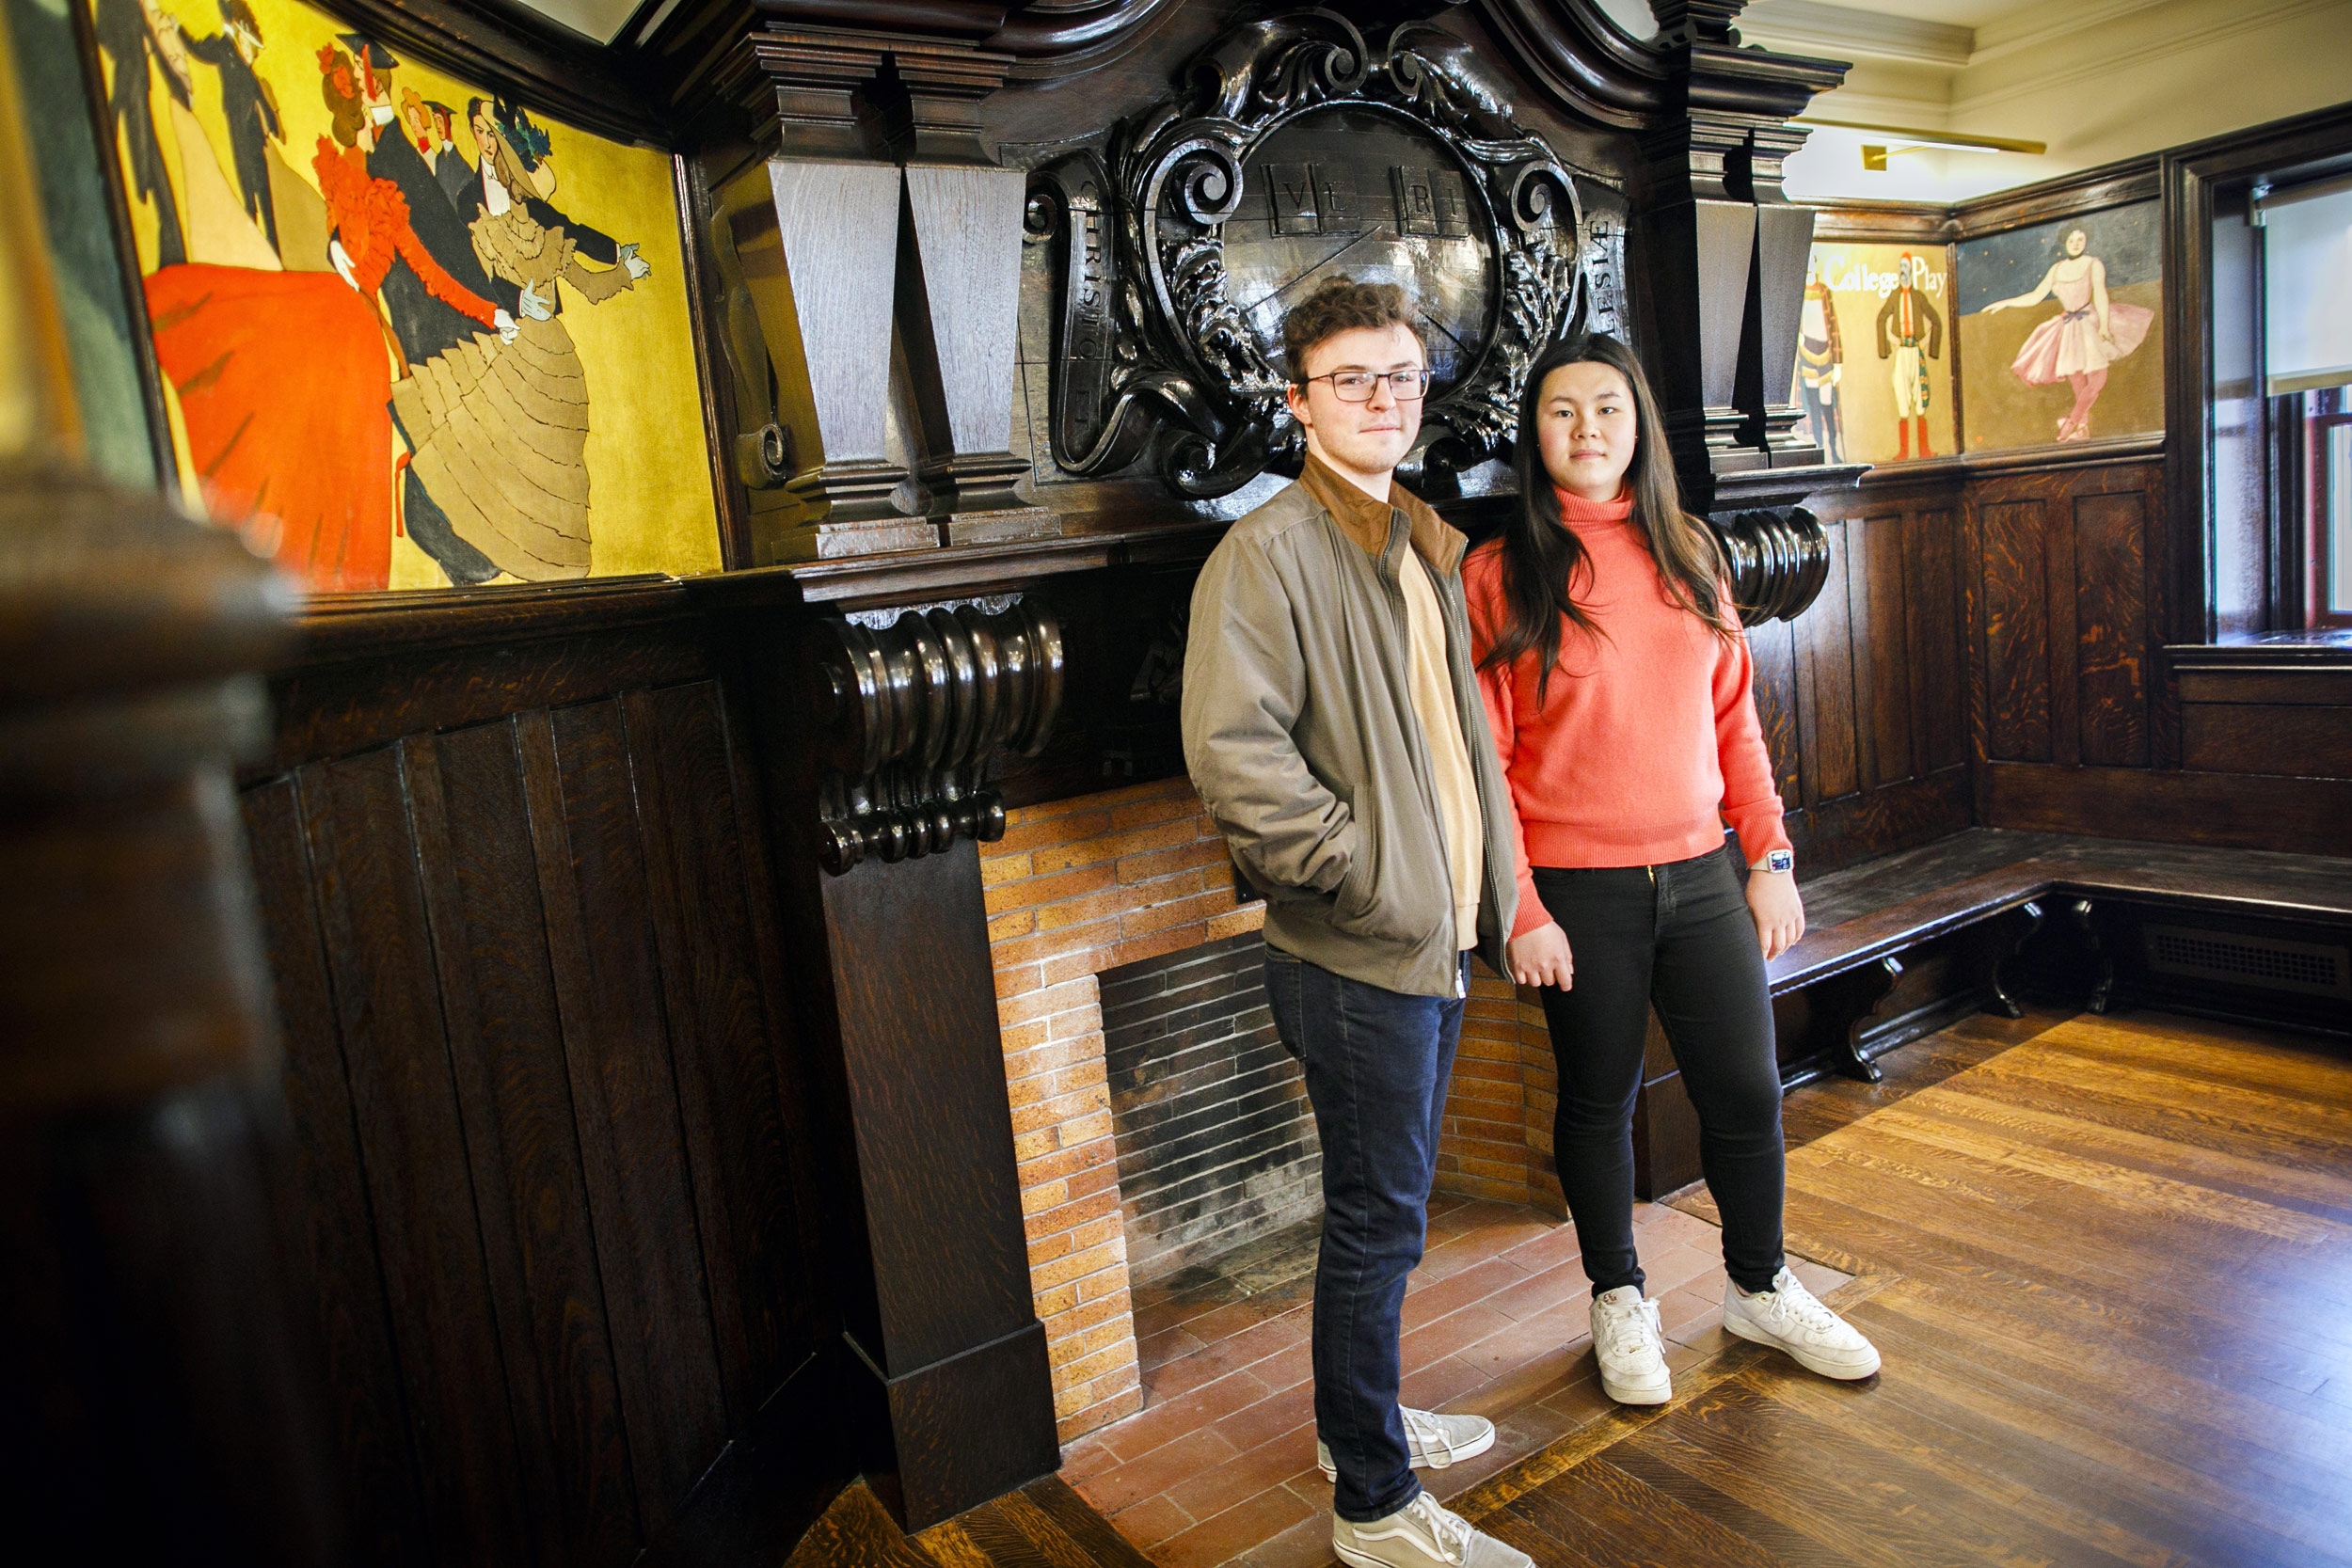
(155, 1399)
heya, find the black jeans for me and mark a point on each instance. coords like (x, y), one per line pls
(1376, 1065)
(1678, 938)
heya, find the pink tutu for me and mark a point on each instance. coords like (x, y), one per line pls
(2069, 345)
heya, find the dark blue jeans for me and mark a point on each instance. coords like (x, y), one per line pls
(1677, 938)
(1376, 1065)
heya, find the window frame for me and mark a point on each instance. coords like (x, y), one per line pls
(2241, 540)
(2317, 414)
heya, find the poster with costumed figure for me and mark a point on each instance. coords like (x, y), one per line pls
(1874, 357)
(2061, 330)
(411, 334)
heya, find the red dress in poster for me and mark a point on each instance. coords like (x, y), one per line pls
(284, 380)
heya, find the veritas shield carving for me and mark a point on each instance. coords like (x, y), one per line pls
(1302, 152)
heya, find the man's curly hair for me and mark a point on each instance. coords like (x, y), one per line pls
(1340, 305)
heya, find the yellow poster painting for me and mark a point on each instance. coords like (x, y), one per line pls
(1874, 351)
(411, 333)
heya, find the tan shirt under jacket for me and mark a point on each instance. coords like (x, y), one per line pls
(1366, 521)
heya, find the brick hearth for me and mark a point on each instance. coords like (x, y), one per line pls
(1081, 886)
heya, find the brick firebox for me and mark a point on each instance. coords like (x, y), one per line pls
(1081, 886)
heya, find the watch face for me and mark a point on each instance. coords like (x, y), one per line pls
(1779, 860)
(1354, 191)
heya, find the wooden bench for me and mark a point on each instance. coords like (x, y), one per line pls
(1902, 946)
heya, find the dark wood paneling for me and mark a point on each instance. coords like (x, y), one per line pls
(2016, 631)
(380, 693)
(623, 1097)
(2317, 687)
(1825, 682)
(2111, 637)
(465, 800)
(540, 1084)
(2310, 816)
(381, 1485)
(1874, 822)
(1773, 647)
(1883, 684)
(412, 1148)
(1872, 752)
(2254, 737)
(1936, 650)
(724, 1035)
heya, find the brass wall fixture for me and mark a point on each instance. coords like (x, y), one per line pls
(919, 708)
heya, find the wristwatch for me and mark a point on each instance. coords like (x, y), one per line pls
(1780, 860)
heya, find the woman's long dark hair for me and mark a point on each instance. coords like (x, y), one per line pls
(1542, 558)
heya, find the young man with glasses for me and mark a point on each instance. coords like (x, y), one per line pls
(1333, 726)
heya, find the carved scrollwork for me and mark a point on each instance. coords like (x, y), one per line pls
(1415, 158)
(917, 714)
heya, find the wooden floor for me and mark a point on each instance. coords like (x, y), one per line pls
(1220, 1466)
(2109, 1265)
(1043, 1525)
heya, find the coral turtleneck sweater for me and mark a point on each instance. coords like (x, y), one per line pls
(1648, 739)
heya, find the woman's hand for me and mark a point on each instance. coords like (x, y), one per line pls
(1779, 912)
(1541, 957)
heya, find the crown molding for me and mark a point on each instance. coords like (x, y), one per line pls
(2038, 27)
(1841, 32)
(2247, 16)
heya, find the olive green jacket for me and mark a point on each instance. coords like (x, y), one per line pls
(1300, 734)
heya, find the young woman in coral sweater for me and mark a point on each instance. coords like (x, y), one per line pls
(1617, 681)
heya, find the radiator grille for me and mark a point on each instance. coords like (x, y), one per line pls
(2267, 963)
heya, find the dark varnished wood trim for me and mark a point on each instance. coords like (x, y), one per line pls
(338, 626)
(711, 380)
(2242, 811)
(2116, 184)
(333, 708)
(497, 45)
(2025, 460)
(1883, 222)
(1582, 59)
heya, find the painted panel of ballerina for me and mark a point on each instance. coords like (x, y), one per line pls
(411, 334)
(2060, 333)
(1874, 365)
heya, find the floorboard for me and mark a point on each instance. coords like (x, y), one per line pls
(2108, 1262)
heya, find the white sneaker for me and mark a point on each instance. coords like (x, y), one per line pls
(1434, 1441)
(1630, 1349)
(1789, 1317)
(1422, 1534)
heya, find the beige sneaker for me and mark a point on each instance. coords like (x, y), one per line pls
(1422, 1534)
(1629, 1347)
(1791, 1318)
(1434, 1441)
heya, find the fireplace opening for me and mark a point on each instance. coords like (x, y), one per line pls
(1215, 1142)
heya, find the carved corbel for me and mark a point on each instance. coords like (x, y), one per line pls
(1778, 559)
(919, 706)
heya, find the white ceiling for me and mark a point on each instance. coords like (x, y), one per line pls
(601, 19)
(1966, 13)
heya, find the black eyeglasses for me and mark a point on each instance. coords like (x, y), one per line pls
(1355, 386)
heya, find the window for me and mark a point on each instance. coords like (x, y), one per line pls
(2307, 374)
